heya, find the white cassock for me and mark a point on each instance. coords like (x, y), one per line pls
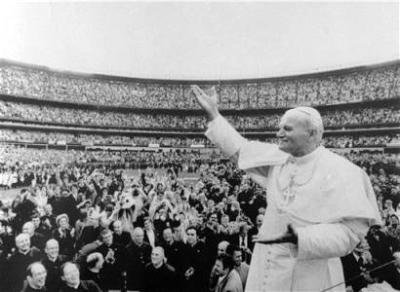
(327, 199)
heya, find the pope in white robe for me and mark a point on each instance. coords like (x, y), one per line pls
(327, 201)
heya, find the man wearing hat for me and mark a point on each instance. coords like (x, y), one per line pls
(319, 204)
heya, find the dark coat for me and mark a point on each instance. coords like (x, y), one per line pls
(163, 279)
(137, 257)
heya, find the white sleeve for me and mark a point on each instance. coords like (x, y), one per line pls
(224, 136)
(329, 240)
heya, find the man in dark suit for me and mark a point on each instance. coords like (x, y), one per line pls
(19, 261)
(195, 270)
(138, 255)
(71, 276)
(121, 237)
(36, 278)
(354, 264)
(114, 261)
(159, 276)
(173, 250)
(244, 241)
(53, 262)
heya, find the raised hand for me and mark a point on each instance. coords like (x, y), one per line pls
(289, 236)
(207, 102)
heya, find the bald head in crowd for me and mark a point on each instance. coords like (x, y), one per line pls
(36, 276)
(222, 246)
(138, 236)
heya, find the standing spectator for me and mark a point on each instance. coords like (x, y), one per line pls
(138, 255)
(159, 276)
(173, 250)
(241, 267)
(229, 280)
(65, 235)
(150, 235)
(121, 236)
(114, 261)
(195, 262)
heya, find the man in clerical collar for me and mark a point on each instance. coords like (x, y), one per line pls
(315, 212)
(53, 261)
(18, 262)
(36, 278)
(114, 257)
(72, 282)
(120, 236)
(160, 276)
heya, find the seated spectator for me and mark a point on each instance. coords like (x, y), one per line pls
(19, 261)
(71, 277)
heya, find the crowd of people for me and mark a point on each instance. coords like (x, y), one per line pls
(360, 117)
(348, 86)
(57, 138)
(154, 231)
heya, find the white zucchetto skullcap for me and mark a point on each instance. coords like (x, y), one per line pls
(312, 112)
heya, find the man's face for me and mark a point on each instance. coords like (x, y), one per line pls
(52, 249)
(147, 225)
(219, 268)
(156, 257)
(71, 275)
(107, 239)
(28, 228)
(221, 249)
(213, 220)
(23, 243)
(191, 237)
(237, 257)
(294, 137)
(138, 237)
(36, 222)
(225, 220)
(167, 234)
(48, 209)
(118, 227)
(38, 278)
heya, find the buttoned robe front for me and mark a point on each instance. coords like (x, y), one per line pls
(327, 199)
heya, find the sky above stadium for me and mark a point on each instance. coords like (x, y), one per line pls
(199, 40)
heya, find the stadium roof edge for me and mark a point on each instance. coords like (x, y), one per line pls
(204, 82)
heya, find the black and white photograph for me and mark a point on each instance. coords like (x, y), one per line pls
(200, 146)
